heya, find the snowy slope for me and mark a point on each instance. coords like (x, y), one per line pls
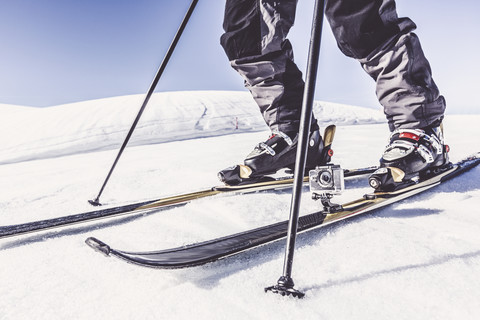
(418, 259)
(170, 116)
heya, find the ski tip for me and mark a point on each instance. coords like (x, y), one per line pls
(94, 202)
(98, 246)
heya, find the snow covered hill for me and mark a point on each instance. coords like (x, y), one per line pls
(170, 116)
(418, 259)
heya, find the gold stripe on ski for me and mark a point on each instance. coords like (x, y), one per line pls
(179, 199)
(282, 183)
(377, 200)
(253, 187)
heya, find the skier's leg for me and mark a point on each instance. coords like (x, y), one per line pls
(256, 44)
(255, 41)
(371, 32)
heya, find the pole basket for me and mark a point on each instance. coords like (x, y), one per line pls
(284, 287)
(95, 202)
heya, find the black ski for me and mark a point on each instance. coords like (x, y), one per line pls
(156, 204)
(208, 251)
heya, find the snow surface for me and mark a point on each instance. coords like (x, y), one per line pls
(418, 259)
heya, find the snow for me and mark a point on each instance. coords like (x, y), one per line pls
(418, 259)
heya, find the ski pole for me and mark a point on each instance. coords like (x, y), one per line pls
(285, 285)
(163, 65)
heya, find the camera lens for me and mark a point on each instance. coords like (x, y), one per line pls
(325, 178)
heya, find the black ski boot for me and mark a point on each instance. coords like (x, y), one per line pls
(412, 155)
(278, 152)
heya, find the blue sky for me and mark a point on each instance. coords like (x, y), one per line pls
(60, 51)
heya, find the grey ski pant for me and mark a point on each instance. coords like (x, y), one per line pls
(255, 41)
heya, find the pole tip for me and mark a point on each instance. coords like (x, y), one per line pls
(284, 291)
(284, 287)
(95, 202)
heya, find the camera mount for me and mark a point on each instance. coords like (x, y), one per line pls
(325, 182)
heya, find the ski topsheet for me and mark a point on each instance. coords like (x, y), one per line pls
(157, 204)
(208, 251)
